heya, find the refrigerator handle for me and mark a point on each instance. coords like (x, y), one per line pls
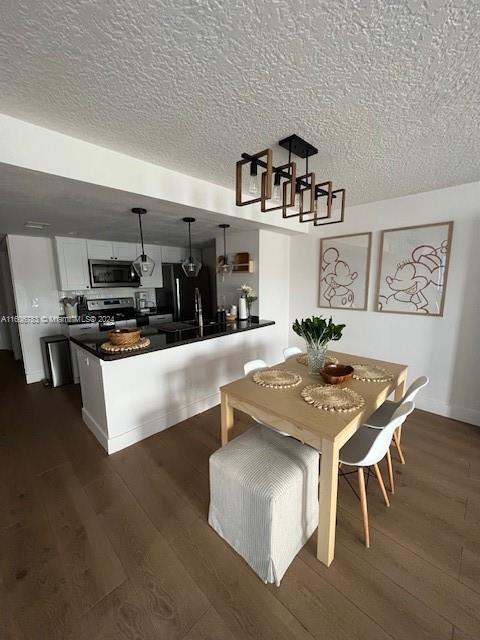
(177, 301)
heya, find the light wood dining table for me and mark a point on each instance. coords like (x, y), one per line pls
(327, 431)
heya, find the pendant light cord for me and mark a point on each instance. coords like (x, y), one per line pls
(190, 242)
(225, 245)
(141, 233)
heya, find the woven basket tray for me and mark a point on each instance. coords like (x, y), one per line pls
(276, 378)
(303, 359)
(108, 347)
(371, 373)
(331, 398)
(124, 337)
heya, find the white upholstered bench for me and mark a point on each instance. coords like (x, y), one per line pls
(264, 498)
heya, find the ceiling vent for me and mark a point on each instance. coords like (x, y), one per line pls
(34, 224)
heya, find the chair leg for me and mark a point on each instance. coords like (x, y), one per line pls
(390, 472)
(382, 486)
(399, 448)
(363, 502)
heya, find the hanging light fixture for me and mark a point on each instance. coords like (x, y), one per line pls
(223, 266)
(143, 265)
(191, 266)
(297, 196)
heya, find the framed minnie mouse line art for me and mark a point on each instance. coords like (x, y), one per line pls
(344, 271)
(413, 269)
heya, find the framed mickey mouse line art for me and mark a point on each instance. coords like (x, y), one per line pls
(413, 269)
(344, 271)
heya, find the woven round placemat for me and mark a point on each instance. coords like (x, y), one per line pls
(108, 347)
(371, 373)
(303, 359)
(332, 398)
(276, 378)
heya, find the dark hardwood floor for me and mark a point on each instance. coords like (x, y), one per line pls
(119, 547)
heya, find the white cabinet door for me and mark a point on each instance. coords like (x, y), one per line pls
(153, 251)
(72, 262)
(125, 251)
(78, 330)
(100, 250)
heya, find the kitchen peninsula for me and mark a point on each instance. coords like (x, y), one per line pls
(130, 396)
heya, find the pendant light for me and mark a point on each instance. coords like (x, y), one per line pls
(281, 188)
(223, 266)
(143, 265)
(191, 266)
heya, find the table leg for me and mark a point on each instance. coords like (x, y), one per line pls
(400, 390)
(327, 517)
(227, 418)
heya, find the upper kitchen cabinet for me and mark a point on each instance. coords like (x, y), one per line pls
(125, 251)
(153, 251)
(104, 250)
(72, 261)
(99, 250)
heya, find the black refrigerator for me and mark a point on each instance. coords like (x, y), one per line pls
(177, 296)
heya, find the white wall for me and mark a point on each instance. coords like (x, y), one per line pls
(228, 286)
(274, 292)
(446, 349)
(36, 294)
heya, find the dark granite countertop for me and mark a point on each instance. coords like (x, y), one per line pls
(90, 317)
(166, 339)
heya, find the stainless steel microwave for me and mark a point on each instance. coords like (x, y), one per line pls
(112, 273)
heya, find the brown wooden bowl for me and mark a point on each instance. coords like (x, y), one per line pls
(124, 337)
(336, 373)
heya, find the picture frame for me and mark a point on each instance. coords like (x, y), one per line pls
(345, 271)
(413, 269)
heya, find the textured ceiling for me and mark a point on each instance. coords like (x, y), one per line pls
(90, 211)
(388, 91)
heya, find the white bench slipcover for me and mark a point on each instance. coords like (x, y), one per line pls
(264, 498)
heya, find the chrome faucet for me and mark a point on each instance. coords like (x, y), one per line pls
(198, 307)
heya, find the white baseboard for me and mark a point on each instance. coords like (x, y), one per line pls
(145, 430)
(464, 414)
(34, 376)
(96, 429)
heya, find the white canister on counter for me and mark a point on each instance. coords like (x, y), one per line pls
(242, 309)
(233, 310)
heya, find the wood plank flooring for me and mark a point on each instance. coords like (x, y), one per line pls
(118, 548)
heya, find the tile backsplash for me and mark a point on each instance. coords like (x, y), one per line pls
(116, 292)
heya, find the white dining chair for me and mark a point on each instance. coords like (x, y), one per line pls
(253, 365)
(365, 449)
(384, 413)
(291, 351)
(250, 367)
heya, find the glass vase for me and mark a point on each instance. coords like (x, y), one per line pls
(249, 309)
(316, 359)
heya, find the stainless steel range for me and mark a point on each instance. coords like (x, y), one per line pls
(113, 312)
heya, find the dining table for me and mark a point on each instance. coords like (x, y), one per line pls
(285, 410)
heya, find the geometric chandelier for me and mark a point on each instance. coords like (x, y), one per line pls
(281, 188)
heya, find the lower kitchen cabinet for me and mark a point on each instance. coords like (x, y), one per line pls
(76, 331)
